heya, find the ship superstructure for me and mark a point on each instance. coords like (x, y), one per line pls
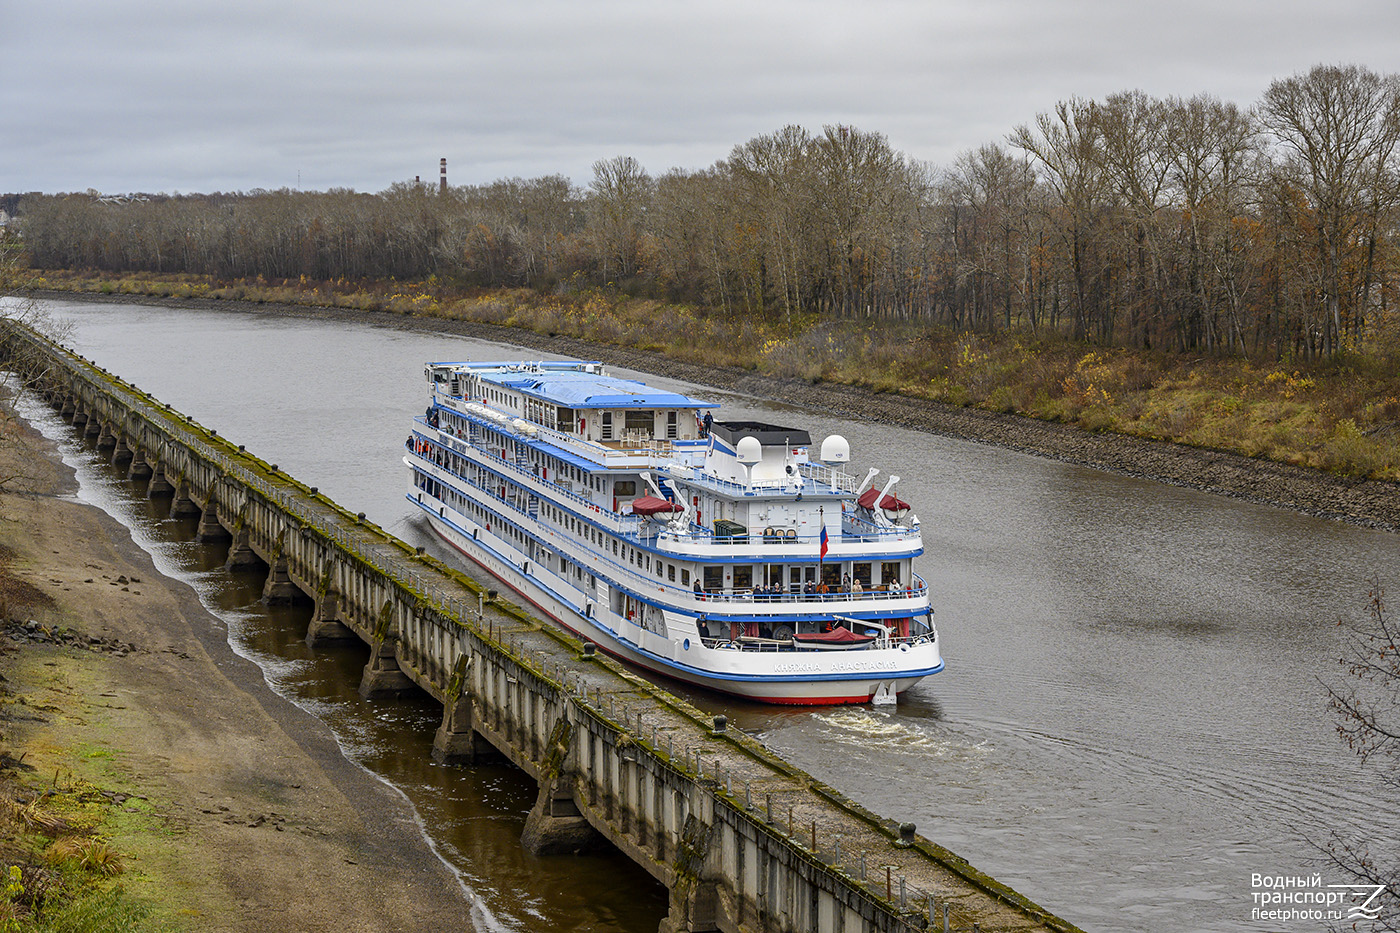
(714, 552)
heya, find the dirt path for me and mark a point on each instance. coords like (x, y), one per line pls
(1368, 503)
(254, 821)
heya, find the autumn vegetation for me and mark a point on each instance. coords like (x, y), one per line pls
(1174, 268)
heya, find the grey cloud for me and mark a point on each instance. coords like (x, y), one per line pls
(155, 95)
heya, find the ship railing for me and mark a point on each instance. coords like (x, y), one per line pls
(699, 477)
(625, 524)
(751, 596)
(832, 478)
(751, 643)
(864, 532)
(855, 528)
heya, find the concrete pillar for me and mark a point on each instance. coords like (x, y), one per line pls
(241, 556)
(694, 909)
(159, 487)
(554, 825)
(106, 440)
(68, 408)
(94, 427)
(279, 590)
(382, 675)
(80, 416)
(182, 505)
(140, 468)
(325, 625)
(695, 905)
(457, 742)
(210, 530)
(121, 453)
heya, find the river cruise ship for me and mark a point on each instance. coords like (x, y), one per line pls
(719, 553)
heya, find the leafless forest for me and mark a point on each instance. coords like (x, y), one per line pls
(1179, 224)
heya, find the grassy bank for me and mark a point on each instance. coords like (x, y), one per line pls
(66, 836)
(1340, 415)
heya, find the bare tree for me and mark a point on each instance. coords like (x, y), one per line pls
(995, 187)
(1340, 126)
(1208, 145)
(621, 193)
(1367, 710)
(19, 372)
(1067, 143)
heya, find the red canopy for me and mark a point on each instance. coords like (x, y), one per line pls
(889, 503)
(838, 637)
(650, 505)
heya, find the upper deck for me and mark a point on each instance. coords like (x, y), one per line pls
(615, 433)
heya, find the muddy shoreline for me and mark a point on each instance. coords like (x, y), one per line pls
(1367, 503)
(258, 822)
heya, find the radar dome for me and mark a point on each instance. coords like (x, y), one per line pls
(749, 450)
(836, 449)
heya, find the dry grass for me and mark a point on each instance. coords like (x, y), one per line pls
(1341, 415)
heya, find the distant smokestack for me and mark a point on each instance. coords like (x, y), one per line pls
(442, 172)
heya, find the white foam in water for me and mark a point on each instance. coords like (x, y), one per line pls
(886, 731)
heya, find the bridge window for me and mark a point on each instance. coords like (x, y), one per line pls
(643, 421)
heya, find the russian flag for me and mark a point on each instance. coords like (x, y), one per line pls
(824, 543)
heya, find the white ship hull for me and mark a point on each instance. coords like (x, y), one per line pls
(807, 678)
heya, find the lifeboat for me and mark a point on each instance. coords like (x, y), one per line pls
(838, 639)
(893, 507)
(655, 509)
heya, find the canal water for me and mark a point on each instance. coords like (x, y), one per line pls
(1133, 720)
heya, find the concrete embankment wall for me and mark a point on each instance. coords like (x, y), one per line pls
(741, 839)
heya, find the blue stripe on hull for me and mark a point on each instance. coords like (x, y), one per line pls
(646, 658)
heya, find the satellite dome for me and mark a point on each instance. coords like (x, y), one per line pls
(836, 449)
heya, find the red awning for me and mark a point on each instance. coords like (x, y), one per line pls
(889, 503)
(650, 505)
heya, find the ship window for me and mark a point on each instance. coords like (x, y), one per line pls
(714, 579)
(889, 572)
(685, 577)
(658, 568)
(643, 421)
(625, 487)
(671, 572)
(743, 577)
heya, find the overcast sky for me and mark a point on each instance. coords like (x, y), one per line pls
(186, 95)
